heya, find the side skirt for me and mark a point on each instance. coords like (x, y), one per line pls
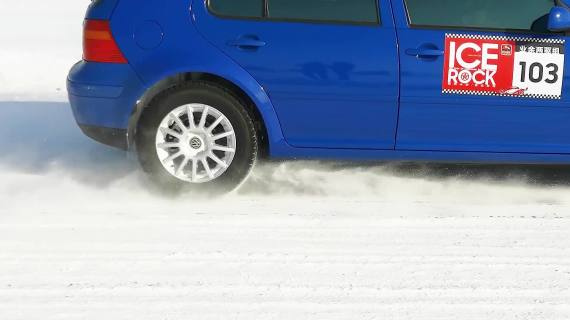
(287, 152)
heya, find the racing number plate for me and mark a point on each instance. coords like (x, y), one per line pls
(503, 66)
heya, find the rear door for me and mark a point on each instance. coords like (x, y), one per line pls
(329, 67)
(482, 75)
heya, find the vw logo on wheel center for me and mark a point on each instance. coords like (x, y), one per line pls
(195, 143)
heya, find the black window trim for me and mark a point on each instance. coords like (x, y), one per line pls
(265, 17)
(479, 29)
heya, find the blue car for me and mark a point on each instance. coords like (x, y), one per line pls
(201, 89)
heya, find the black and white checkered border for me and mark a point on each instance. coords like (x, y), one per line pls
(495, 94)
(504, 38)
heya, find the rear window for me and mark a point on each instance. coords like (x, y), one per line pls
(531, 15)
(237, 8)
(359, 11)
(342, 11)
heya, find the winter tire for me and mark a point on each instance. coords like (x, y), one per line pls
(198, 137)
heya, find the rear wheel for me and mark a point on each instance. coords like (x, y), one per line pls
(197, 136)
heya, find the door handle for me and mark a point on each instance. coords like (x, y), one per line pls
(247, 43)
(425, 52)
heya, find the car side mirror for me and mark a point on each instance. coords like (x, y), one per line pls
(559, 19)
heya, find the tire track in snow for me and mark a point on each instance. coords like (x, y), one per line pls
(216, 267)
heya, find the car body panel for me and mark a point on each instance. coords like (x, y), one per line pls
(183, 50)
(432, 121)
(408, 120)
(101, 9)
(333, 85)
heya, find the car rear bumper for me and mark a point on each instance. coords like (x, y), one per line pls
(103, 97)
(116, 138)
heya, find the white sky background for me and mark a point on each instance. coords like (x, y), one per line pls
(39, 42)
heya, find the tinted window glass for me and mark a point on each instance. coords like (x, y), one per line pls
(237, 8)
(325, 10)
(489, 14)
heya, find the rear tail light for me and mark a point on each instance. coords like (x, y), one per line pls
(99, 44)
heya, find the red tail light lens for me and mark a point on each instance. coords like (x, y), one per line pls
(99, 44)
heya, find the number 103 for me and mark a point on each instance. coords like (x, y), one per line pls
(536, 72)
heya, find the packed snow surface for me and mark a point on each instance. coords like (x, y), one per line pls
(84, 235)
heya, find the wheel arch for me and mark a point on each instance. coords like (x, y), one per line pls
(256, 101)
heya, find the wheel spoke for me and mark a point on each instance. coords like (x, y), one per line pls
(191, 120)
(204, 117)
(178, 122)
(168, 145)
(216, 123)
(182, 166)
(218, 160)
(172, 157)
(194, 170)
(224, 149)
(207, 167)
(169, 132)
(222, 135)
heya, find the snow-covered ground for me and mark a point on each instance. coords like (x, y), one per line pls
(83, 235)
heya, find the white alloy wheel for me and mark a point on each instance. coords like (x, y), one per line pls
(196, 143)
